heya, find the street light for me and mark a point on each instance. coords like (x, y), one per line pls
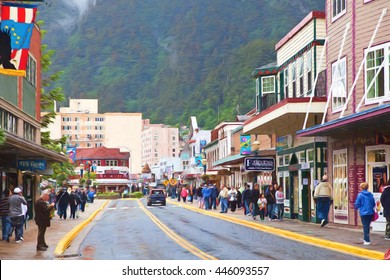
(255, 151)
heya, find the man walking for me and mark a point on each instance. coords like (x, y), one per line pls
(16, 214)
(323, 198)
(42, 218)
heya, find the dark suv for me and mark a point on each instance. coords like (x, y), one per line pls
(156, 196)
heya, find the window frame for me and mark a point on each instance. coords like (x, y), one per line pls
(386, 73)
(340, 13)
(343, 61)
(272, 82)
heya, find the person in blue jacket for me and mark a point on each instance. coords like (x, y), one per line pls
(365, 203)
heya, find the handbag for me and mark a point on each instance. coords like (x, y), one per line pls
(375, 216)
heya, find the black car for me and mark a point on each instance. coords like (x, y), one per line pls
(156, 196)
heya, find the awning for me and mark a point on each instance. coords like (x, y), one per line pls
(367, 121)
(230, 159)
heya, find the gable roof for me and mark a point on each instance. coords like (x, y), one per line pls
(101, 153)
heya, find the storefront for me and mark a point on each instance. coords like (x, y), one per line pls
(298, 171)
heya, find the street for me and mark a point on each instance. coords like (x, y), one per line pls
(129, 230)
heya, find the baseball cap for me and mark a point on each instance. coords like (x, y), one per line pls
(17, 190)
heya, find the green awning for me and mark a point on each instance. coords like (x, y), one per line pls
(229, 159)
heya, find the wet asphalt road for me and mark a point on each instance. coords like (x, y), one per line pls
(126, 232)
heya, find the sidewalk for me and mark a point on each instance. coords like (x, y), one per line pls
(57, 230)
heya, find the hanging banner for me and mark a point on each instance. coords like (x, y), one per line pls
(71, 152)
(16, 26)
(245, 145)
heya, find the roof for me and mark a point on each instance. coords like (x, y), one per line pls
(101, 153)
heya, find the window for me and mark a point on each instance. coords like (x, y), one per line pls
(300, 77)
(294, 82)
(99, 119)
(8, 122)
(302, 157)
(338, 8)
(340, 183)
(287, 160)
(339, 89)
(310, 155)
(96, 162)
(29, 132)
(377, 77)
(268, 85)
(285, 82)
(66, 119)
(111, 163)
(308, 70)
(31, 71)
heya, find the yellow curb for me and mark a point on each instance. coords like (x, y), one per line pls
(71, 235)
(318, 242)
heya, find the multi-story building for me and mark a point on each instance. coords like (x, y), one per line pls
(22, 158)
(159, 141)
(358, 89)
(284, 90)
(110, 165)
(85, 127)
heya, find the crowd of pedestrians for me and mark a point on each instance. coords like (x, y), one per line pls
(13, 210)
(254, 201)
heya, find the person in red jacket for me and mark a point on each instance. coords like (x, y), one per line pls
(42, 218)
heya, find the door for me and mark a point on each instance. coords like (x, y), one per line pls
(294, 187)
(305, 195)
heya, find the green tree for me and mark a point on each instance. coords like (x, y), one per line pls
(2, 137)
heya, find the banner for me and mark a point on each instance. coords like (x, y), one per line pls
(245, 145)
(16, 26)
(71, 152)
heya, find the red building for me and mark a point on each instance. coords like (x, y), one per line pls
(110, 165)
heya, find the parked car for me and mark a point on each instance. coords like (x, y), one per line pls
(156, 196)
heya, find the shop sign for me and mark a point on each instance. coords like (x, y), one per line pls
(259, 164)
(32, 165)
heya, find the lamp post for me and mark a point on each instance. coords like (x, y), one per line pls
(255, 152)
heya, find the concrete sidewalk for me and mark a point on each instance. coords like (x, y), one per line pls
(54, 234)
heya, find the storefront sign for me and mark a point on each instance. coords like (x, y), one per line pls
(32, 165)
(283, 142)
(259, 164)
(245, 145)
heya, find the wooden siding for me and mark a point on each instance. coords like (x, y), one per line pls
(304, 37)
(366, 19)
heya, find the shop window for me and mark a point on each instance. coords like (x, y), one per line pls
(302, 157)
(310, 155)
(281, 163)
(377, 167)
(286, 160)
(340, 184)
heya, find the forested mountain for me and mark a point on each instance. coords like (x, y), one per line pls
(168, 59)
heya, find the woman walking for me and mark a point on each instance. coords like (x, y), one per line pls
(365, 203)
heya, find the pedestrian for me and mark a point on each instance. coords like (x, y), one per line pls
(233, 198)
(271, 201)
(42, 218)
(83, 199)
(255, 194)
(262, 203)
(16, 214)
(184, 194)
(206, 192)
(213, 197)
(4, 213)
(199, 195)
(323, 199)
(52, 196)
(246, 199)
(385, 201)
(279, 197)
(91, 195)
(63, 202)
(223, 199)
(74, 201)
(365, 203)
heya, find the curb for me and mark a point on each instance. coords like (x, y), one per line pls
(318, 242)
(65, 242)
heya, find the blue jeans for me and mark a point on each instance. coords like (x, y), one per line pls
(366, 221)
(323, 205)
(280, 211)
(246, 205)
(206, 202)
(213, 203)
(270, 210)
(6, 223)
(224, 205)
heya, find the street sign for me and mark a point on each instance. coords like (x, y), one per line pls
(259, 164)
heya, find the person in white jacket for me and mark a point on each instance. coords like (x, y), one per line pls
(323, 198)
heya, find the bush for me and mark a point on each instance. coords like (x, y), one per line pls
(136, 195)
(108, 194)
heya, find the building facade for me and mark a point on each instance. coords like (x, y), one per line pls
(22, 158)
(358, 92)
(85, 127)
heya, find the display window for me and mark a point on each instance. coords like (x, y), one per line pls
(340, 186)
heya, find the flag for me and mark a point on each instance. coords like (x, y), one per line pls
(16, 26)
